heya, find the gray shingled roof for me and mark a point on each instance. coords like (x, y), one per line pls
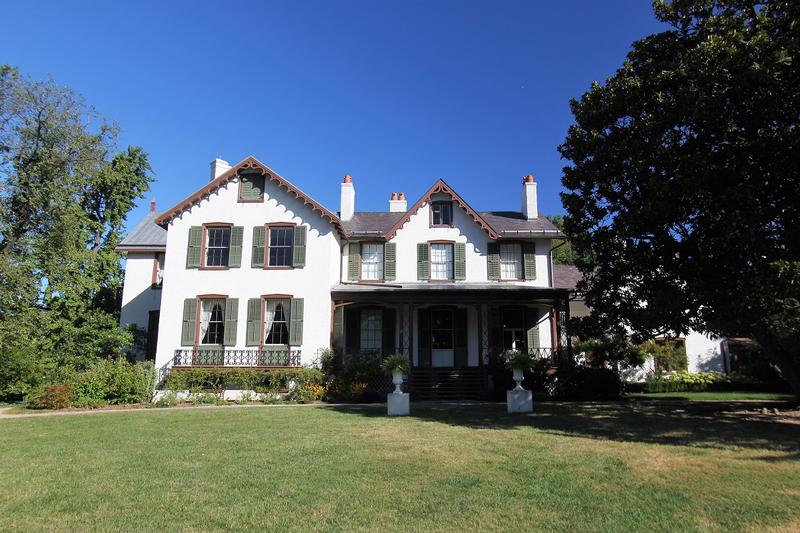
(513, 223)
(371, 223)
(566, 276)
(146, 235)
(506, 223)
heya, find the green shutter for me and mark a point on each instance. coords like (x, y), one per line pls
(253, 337)
(352, 328)
(389, 261)
(460, 338)
(259, 247)
(424, 342)
(532, 319)
(189, 322)
(337, 338)
(388, 334)
(194, 247)
(235, 255)
(296, 322)
(493, 261)
(299, 247)
(460, 261)
(423, 264)
(231, 321)
(353, 260)
(252, 187)
(529, 259)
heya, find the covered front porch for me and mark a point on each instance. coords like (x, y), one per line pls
(451, 333)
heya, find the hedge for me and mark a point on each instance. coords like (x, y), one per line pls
(703, 382)
(257, 379)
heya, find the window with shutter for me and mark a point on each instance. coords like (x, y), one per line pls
(217, 250)
(212, 321)
(372, 261)
(510, 261)
(441, 260)
(280, 253)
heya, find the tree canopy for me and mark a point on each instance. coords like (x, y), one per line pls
(64, 194)
(682, 184)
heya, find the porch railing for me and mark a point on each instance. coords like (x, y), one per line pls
(234, 357)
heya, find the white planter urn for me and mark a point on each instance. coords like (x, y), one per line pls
(397, 379)
(519, 376)
(519, 400)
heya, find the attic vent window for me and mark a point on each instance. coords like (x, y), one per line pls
(441, 214)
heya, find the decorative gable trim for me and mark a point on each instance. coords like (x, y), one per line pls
(441, 187)
(250, 163)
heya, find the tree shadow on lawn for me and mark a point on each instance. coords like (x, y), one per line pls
(698, 424)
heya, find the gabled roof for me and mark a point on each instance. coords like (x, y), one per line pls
(146, 236)
(250, 164)
(441, 187)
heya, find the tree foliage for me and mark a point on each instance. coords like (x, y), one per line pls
(562, 251)
(684, 170)
(64, 194)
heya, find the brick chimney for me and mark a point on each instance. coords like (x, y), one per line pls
(397, 203)
(347, 204)
(530, 201)
(218, 168)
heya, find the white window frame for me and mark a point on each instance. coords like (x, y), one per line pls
(441, 261)
(510, 261)
(372, 261)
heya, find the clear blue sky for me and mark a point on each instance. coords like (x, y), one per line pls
(395, 94)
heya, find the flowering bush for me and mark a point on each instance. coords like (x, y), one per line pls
(307, 393)
(49, 397)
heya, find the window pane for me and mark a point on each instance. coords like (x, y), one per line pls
(280, 246)
(371, 329)
(510, 261)
(441, 261)
(212, 321)
(218, 241)
(276, 322)
(372, 261)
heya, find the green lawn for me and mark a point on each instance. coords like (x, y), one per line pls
(727, 395)
(569, 466)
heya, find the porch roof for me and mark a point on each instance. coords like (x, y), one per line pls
(461, 291)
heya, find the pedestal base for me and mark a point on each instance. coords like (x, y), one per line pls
(519, 401)
(399, 404)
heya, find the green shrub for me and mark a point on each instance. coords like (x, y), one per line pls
(258, 379)
(168, 399)
(702, 382)
(396, 363)
(49, 397)
(112, 382)
(206, 398)
(307, 393)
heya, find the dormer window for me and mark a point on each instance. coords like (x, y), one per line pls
(442, 214)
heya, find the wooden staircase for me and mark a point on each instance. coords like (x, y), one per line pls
(447, 383)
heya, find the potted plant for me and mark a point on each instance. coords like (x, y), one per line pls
(518, 362)
(396, 365)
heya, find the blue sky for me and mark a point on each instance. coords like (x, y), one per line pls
(395, 94)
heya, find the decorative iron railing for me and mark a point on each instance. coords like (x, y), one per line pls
(549, 355)
(234, 357)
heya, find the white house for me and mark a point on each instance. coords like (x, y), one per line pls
(250, 271)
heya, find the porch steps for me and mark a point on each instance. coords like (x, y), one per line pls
(447, 383)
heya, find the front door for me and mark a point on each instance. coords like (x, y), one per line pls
(442, 337)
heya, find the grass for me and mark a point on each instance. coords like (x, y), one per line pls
(579, 467)
(726, 395)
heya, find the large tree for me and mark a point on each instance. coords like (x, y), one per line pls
(64, 194)
(683, 185)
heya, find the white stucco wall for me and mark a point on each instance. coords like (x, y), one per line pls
(704, 353)
(465, 230)
(138, 298)
(312, 283)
